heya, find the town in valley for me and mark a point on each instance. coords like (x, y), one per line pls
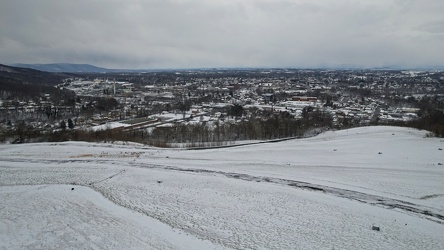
(222, 104)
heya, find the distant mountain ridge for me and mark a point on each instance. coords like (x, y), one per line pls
(88, 68)
(65, 67)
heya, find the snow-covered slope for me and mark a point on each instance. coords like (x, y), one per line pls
(324, 192)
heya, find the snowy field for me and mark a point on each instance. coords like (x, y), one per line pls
(324, 192)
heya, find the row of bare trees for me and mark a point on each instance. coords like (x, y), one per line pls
(275, 126)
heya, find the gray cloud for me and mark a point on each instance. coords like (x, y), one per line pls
(433, 27)
(229, 33)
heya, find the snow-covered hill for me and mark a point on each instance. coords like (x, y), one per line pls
(324, 192)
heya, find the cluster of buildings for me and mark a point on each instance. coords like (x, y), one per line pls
(349, 96)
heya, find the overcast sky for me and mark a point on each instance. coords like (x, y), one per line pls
(152, 34)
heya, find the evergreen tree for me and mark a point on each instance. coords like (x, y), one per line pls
(63, 125)
(70, 124)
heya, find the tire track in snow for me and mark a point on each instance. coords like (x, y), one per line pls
(431, 196)
(430, 213)
(109, 177)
